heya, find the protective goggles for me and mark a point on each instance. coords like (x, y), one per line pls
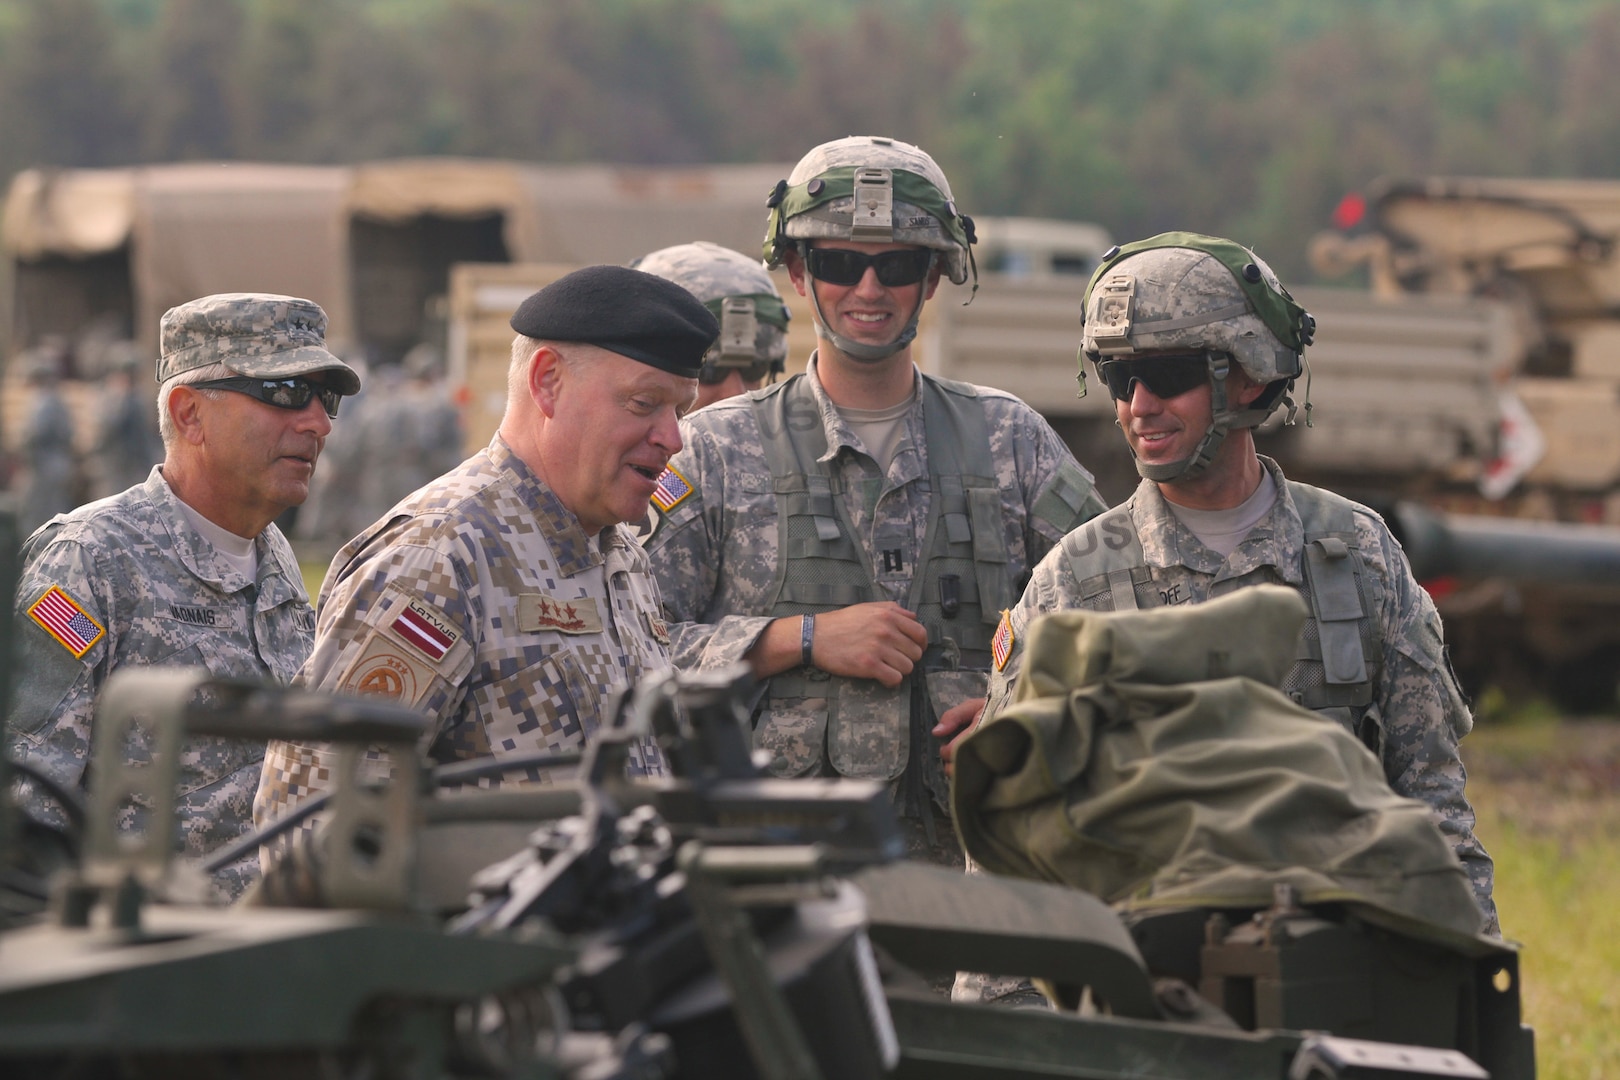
(292, 392)
(839, 266)
(718, 373)
(1164, 376)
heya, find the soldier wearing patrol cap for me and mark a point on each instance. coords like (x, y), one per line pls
(186, 568)
(506, 600)
(753, 320)
(1197, 342)
(855, 532)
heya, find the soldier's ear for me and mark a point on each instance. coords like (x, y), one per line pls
(185, 409)
(546, 371)
(795, 268)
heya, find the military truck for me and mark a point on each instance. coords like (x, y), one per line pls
(1544, 252)
(92, 256)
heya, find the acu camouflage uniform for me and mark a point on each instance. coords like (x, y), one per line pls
(718, 554)
(482, 602)
(1414, 714)
(150, 590)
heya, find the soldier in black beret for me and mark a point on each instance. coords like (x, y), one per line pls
(506, 599)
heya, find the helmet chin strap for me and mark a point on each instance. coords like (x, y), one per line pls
(857, 350)
(1221, 422)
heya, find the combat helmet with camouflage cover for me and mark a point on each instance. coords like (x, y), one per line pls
(870, 189)
(738, 292)
(1207, 297)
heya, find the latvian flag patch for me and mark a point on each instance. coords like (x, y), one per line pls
(419, 626)
(1001, 645)
(672, 488)
(62, 618)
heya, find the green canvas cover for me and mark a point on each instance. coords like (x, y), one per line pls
(1148, 758)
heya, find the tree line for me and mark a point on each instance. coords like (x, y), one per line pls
(1248, 118)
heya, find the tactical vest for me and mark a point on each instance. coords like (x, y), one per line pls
(957, 593)
(1340, 650)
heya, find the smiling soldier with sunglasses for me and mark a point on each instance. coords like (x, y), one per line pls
(187, 568)
(1197, 342)
(854, 532)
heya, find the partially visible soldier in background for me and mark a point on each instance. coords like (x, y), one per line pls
(331, 514)
(854, 532)
(51, 486)
(127, 441)
(738, 292)
(186, 568)
(1197, 342)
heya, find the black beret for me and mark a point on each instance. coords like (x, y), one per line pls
(632, 313)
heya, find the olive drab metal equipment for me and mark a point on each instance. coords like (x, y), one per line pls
(721, 923)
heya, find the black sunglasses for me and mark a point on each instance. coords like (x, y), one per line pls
(1164, 376)
(838, 266)
(292, 392)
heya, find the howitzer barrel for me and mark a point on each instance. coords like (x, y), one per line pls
(1466, 546)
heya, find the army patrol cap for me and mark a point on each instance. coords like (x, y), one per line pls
(626, 311)
(260, 335)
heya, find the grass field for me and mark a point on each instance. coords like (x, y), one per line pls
(1548, 798)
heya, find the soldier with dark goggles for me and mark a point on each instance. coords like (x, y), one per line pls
(715, 372)
(293, 392)
(1165, 377)
(838, 266)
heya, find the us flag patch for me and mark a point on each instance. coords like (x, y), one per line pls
(428, 633)
(672, 488)
(61, 617)
(1001, 645)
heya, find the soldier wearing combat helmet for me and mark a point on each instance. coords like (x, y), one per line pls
(186, 568)
(753, 320)
(854, 532)
(1197, 342)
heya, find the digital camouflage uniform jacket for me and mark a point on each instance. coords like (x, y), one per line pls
(1423, 712)
(716, 550)
(480, 601)
(130, 576)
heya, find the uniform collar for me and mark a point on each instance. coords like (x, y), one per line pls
(199, 556)
(570, 545)
(1273, 542)
(836, 431)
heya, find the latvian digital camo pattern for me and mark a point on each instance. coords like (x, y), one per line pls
(164, 596)
(716, 553)
(481, 601)
(1423, 712)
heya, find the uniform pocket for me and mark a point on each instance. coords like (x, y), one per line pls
(869, 733)
(795, 736)
(547, 706)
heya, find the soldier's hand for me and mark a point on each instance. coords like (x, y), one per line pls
(956, 724)
(881, 641)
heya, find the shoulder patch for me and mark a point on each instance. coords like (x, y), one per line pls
(425, 630)
(385, 670)
(1001, 645)
(60, 616)
(672, 489)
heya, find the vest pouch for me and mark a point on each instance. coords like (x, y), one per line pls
(794, 733)
(948, 688)
(868, 729)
